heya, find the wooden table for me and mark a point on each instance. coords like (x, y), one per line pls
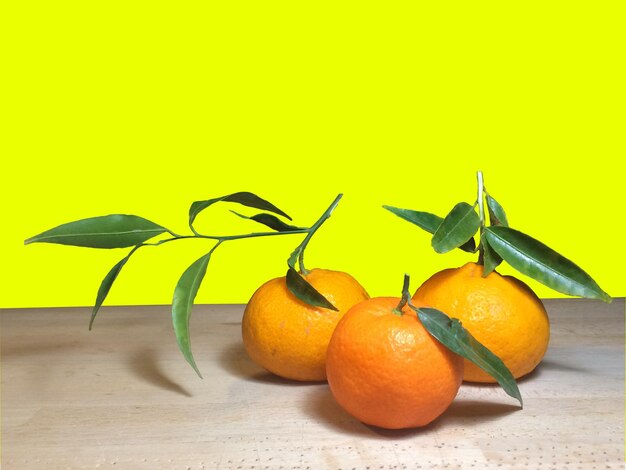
(122, 397)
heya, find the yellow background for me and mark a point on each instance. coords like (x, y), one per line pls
(122, 107)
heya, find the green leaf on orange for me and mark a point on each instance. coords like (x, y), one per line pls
(469, 246)
(497, 216)
(540, 262)
(305, 292)
(491, 259)
(458, 227)
(428, 222)
(449, 332)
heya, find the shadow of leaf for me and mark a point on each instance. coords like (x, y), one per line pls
(144, 364)
(475, 411)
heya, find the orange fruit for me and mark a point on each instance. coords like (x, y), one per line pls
(387, 370)
(289, 337)
(501, 312)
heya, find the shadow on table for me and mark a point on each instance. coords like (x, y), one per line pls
(322, 407)
(234, 360)
(549, 364)
(143, 363)
(545, 367)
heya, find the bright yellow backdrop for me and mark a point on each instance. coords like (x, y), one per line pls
(122, 107)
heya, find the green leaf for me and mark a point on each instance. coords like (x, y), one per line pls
(271, 221)
(304, 291)
(469, 246)
(497, 216)
(244, 198)
(491, 259)
(457, 228)
(106, 284)
(453, 336)
(428, 222)
(184, 295)
(109, 231)
(536, 260)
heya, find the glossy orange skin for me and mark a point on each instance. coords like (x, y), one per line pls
(288, 337)
(501, 312)
(387, 370)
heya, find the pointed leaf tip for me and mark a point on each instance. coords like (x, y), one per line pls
(106, 284)
(424, 220)
(271, 221)
(108, 231)
(540, 262)
(458, 227)
(305, 292)
(184, 296)
(427, 222)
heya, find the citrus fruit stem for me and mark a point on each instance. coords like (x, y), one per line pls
(481, 213)
(311, 231)
(406, 296)
(481, 197)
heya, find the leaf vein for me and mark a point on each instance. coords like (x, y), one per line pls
(98, 234)
(548, 267)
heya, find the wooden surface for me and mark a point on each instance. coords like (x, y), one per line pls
(122, 397)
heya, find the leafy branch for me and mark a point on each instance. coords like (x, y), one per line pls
(498, 242)
(124, 231)
(296, 282)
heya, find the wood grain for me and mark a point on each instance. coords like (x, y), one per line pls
(122, 397)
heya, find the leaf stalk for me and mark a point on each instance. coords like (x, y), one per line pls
(481, 213)
(406, 296)
(311, 231)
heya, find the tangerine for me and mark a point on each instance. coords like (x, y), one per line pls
(501, 312)
(386, 370)
(289, 337)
